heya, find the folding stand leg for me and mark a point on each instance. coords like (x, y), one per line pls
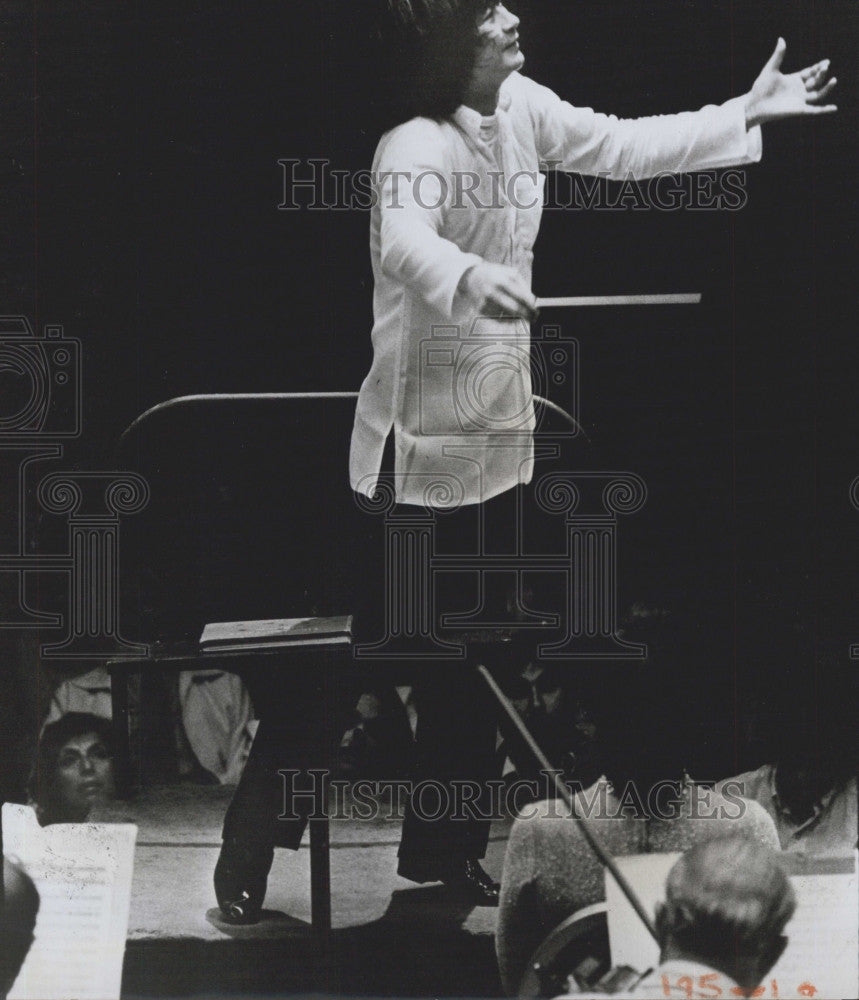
(320, 832)
(320, 898)
(121, 736)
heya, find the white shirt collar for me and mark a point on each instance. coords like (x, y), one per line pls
(470, 120)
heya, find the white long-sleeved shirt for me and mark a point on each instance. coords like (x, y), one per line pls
(456, 386)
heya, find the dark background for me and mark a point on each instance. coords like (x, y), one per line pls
(139, 187)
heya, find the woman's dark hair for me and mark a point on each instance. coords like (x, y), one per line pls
(427, 49)
(54, 738)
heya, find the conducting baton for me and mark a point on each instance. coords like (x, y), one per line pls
(683, 299)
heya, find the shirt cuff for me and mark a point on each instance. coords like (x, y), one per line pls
(453, 303)
(749, 140)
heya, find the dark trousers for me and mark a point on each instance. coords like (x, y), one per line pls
(454, 759)
(457, 716)
(278, 792)
(448, 815)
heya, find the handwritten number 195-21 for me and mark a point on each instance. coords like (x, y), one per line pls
(712, 986)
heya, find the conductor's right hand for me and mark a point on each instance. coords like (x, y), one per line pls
(498, 290)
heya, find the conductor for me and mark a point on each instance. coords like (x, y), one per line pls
(458, 195)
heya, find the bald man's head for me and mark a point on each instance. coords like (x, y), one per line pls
(727, 903)
(18, 911)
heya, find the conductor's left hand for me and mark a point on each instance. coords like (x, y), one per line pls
(778, 95)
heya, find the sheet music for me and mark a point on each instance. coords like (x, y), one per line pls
(224, 636)
(822, 957)
(824, 931)
(629, 940)
(82, 872)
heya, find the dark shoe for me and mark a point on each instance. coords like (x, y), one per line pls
(241, 875)
(465, 878)
(469, 879)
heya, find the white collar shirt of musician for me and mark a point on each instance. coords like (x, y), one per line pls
(831, 830)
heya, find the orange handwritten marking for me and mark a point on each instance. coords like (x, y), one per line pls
(685, 983)
(706, 988)
(709, 983)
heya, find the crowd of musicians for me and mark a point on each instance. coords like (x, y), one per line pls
(624, 753)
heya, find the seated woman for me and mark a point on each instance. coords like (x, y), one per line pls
(73, 772)
(643, 804)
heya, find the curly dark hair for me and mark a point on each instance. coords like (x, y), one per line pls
(428, 49)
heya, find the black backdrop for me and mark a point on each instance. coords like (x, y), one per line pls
(140, 191)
